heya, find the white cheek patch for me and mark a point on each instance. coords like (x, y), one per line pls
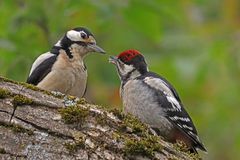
(75, 35)
(126, 69)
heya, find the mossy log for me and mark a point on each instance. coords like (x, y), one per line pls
(36, 124)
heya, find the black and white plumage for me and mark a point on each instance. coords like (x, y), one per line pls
(62, 68)
(153, 100)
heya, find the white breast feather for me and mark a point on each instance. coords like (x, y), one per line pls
(39, 60)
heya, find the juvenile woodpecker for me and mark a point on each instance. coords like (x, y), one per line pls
(153, 100)
(62, 68)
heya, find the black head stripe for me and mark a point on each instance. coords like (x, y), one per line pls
(65, 42)
(83, 29)
(139, 63)
(55, 50)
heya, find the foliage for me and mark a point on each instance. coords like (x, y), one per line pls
(194, 44)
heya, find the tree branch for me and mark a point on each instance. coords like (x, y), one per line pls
(55, 126)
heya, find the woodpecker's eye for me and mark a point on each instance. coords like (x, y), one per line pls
(83, 35)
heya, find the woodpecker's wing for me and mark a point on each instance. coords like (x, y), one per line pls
(85, 91)
(41, 67)
(170, 101)
(162, 83)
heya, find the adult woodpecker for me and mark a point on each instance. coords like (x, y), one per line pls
(62, 68)
(153, 100)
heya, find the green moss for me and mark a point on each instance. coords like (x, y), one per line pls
(136, 126)
(2, 151)
(2, 79)
(116, 112)
(129, 121)
(32, 87)
(20, 100)
(57, 94)
(16, 128)
(82, 101)
(116, 136)
(181, 146)
(35, 88)
(29, 86)
(4, 93)
(145, 146)
(101, 119)
(74, 114)
(69, 97)
(194, 156)
(73, 147)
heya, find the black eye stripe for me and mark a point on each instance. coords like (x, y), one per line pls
(83, 35)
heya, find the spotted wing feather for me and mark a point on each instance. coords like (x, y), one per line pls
(171, 103)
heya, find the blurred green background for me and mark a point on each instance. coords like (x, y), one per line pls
(193, 43)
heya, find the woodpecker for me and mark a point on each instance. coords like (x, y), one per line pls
(62, 68)
(153, 100)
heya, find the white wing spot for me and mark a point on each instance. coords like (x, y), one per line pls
(158, 84)
(179, 125)
(187, 127)
(185, 119)
(175, 104)
(194, 135)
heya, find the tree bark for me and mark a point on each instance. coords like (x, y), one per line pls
(54, 126)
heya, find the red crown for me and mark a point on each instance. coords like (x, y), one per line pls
(128, 55)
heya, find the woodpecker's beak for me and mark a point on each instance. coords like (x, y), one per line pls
(113, 60)
(91, 44)
(95, 48)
